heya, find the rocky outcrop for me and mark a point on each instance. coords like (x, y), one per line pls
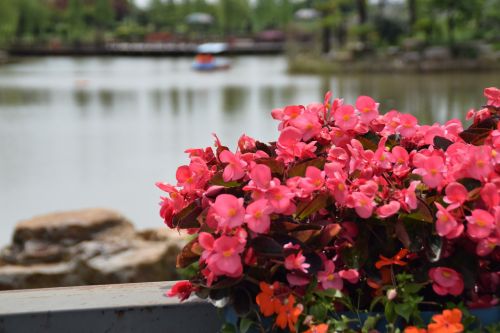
(90, 246)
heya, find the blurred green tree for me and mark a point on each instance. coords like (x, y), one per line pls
(234, 16)
(9, 16)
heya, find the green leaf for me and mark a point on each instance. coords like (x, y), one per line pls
(266, 246)
(299, 169)
(413, 288)
(470, 183)
(442, 143)
(404, 310)
(389, 312)
(306, 208)
(369, 141)
(188, 217)
(277, 167)
(245, 324)
(241, 301)
(228, 328)
(422, 214)
(319, 312)
(475, 136)
(218, 180)
(375, 301)
(188, 254)
(370, 323)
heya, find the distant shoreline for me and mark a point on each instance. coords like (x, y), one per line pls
(147, 49)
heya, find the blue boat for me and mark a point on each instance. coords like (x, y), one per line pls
(205, 59)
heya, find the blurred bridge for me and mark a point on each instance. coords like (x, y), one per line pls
(149, 49)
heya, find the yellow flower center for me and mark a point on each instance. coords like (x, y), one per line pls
(331, 277)
(446, 274)
(227, 253)
(257, 214)
(481, 223)
(346, 117)
(231, 212)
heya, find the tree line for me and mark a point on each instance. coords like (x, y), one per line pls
(383, 22)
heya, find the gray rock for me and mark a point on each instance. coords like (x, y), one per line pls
(437, 53)
(92, 246)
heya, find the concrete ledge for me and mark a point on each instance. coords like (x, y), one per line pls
(135, 307)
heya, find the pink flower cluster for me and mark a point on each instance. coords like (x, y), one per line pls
(296, 206)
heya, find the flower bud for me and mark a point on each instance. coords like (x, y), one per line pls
(391, 294)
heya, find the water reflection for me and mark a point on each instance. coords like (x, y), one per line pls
(234, 99)
(99, 132)
(15, 97)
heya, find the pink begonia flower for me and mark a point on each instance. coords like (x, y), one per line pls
(388, 210)
(401, 160)
(345, 117)
(350, 275)
(280, 199)
(431, 171)
(336, 183)
(368, 109)
(493, 96)
(480, 224)
(490, 195)
(286, 114)
(228, 211)
(226, 259)
(206, 241)
(446, 225)
(308, 124)
(338, 156)
(291, 246)
(369, 188)
(328, 278)
(408, 125)
(296, 262)
(446, 281)
(236, 166)
(289, 137)
(363, 204)
(383, 158)
(456, 195)
(313, 180)
(410, 197)
(486, 245)
(246, 143)
(181, 289)
(391, 121)
(257, 216)
(193, 177)
(260, 178)
(297, 280)
(480, 165)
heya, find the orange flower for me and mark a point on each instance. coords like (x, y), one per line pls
(288, 314)
(413, 329)
(448, 322)
(267, 301)
(321, 328)
(396, 260)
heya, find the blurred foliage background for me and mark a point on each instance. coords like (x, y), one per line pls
(378, 23)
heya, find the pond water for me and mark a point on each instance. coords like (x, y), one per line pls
(86, 132)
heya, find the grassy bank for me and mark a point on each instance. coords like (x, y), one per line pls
(321, 65)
